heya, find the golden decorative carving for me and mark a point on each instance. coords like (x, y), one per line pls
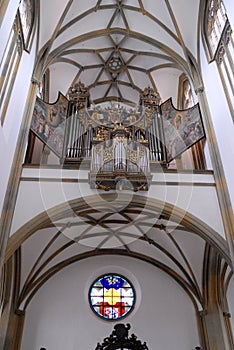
(79, 94)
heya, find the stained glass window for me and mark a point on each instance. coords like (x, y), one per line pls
(112, 296)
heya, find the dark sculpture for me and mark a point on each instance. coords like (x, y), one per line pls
(119, 339)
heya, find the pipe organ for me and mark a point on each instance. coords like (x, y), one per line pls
(119, 144)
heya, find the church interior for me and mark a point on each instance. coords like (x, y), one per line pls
(117, 189)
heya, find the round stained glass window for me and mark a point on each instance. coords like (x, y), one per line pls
(112, 296)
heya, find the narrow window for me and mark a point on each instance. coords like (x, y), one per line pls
(220, 43)
(20, 39)
(9, 66)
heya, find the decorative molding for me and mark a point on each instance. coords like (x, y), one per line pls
(158, 183)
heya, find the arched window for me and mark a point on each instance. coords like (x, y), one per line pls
(220, 44)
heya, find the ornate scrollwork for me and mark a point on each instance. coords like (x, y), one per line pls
(119, 339)
(115, 116)
(79, 94)
(150, 98)
(108, 154)
(132, 155)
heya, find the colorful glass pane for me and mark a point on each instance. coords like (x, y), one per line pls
(111, 297)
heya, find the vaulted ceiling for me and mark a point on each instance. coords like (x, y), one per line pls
(134, 226)
(117, 47)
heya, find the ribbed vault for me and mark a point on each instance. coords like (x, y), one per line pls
(116, 47)
(146, 229)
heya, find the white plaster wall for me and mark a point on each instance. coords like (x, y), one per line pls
(221, 118)
(229, 5)
(10, 130)
(44, 189)
(59, 316)
(161, 78)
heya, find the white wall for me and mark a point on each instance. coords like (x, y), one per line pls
(220, 114)
(161, 78)
(59, 316)
(10, 130)
(194, 193)
(229, 5)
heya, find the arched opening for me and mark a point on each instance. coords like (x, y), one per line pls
(121, 229)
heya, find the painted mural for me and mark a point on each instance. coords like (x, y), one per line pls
(48, 123)
(182, 128)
